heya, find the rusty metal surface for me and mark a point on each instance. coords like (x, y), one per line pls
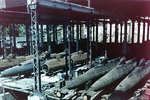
(113, 75)
(93, 73)
(133, 78)
(7, 63)
(59, 63)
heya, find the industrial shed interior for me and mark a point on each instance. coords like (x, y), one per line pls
(74, 50)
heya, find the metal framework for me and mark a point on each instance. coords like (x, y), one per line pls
(34, 30)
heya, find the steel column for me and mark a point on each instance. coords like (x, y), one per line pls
(69, 52)
(72, 35)
(125, 32)
(77, 40)
(4, 41)
(42, 35)
(56, 37)
(87, 42)
(68, 55)
(143, 32)
(89, 32)
(138, 32)
(116, 33)
(93, 33)
(105, 38)
(110, 38)
(65, 47)
(96, 35)
(125, 39)
(14, 37)
(11, 46)
(65, 35)
(10, 36)
(54, 33)
(148, 31)
(90, 39)
(80, 31)
(121, 25)
(48, 38)
(35, 41)
(133, 22)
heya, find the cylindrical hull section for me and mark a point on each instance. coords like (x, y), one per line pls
(93, 73)
(133, 78)
(59, 63)
(113, 75)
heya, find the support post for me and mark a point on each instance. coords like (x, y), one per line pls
(138, 32)
(89, 31)
(104, 38)
(54, 34)
(35, 41)
(48, 38)
(147, 31)
(116, 33)
(121, 25)
(90, 39)
(14, 37)
(77, 40)
(110, 33)
(80, 31)
(87, 42)
(10, 36)
(69, 52)
(93, 32)
(4, 41)
(72, 35)
(125, 40)
(42, 35)
(96, 36)
(125, 32)
(68, 55)
(65, 47)
(143, 32)
(11, 47)
(56, 38)
(65, 35)
(133, 31)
